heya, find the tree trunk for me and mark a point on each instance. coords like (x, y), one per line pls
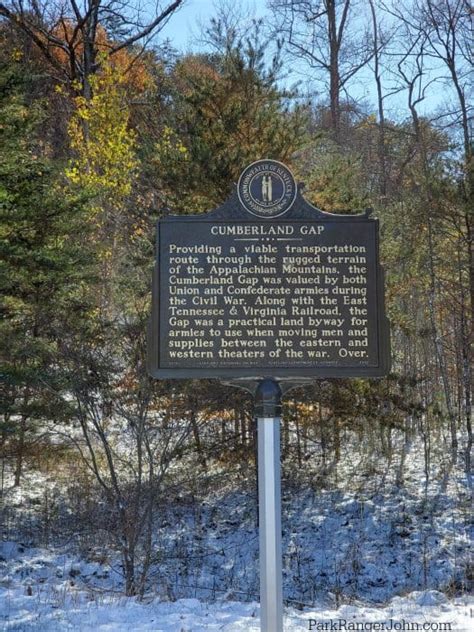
(334, 78)
(380, 105)
(197, 438)
(298, 434)
(20, 451)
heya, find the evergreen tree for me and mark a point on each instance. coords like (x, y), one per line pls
(219, 112)
(44, 266)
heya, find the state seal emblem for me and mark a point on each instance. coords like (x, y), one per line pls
(267, 188)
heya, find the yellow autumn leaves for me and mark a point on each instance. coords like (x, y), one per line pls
(100, 137)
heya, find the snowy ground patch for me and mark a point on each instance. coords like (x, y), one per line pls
(43, 591)
(43, 612)
(361, 548)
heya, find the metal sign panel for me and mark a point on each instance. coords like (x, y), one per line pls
(268, 285)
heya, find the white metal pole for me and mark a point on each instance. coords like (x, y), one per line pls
(269, 497)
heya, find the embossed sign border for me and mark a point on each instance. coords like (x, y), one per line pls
(234, 212)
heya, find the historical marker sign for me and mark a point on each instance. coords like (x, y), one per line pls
(268, 285)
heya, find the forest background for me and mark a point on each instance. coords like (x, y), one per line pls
(105, 128)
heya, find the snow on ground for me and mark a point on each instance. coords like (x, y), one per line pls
(43, 591)
(42, 613)
(55, 604)
(360, 546)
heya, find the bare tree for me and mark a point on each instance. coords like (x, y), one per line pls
(378, 44)
(413, 72)
(67, 33)
(325, 35)
(447, 25)
(130, 433)
(435, 34)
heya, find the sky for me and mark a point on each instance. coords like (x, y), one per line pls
(183, 31)
(184, 27)
(185, 22)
